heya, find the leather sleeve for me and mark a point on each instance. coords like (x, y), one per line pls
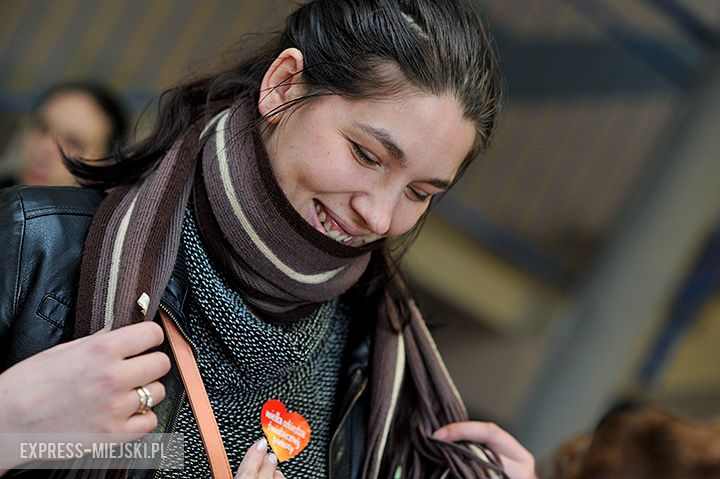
(42, 237)
(12, 226)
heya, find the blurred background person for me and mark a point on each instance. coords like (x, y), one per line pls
(639, 442)
(83, 118)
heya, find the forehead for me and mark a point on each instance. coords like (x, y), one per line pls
(76, 112)
(431, 130)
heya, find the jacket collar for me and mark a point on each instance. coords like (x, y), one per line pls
(175, 295)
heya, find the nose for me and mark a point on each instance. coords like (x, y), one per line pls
(376, 210)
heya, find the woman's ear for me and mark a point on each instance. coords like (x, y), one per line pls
(282, 83)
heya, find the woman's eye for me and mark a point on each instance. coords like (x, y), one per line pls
(364, 157)
(419, 195)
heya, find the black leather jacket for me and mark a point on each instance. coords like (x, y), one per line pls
(42, 233)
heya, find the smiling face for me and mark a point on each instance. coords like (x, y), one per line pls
(361, 170)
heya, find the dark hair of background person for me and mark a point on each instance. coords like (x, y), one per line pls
(362, 49)
(107, 100)
(640, 442)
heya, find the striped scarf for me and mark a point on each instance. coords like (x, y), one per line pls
(412, 394)
(282, 265)
(284, 269)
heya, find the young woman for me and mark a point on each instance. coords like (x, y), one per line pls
(255, 215)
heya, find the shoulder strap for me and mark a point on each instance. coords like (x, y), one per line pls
(199, 402)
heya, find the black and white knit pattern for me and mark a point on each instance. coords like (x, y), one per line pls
(245, 361)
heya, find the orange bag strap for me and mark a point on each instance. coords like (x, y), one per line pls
(199, 402)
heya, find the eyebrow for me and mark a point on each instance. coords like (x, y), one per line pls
(385, 138)
(438, 183)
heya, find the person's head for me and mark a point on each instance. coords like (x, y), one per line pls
(84, 119)
(376, 106)
(640, 443)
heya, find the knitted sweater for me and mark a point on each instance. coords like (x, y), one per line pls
(245, 362)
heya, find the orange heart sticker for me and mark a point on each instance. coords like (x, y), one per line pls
(287, 432)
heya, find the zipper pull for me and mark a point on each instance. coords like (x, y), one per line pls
(144, 302)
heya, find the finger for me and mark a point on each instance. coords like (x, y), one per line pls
(134, 339)
(141, 424)
(269, 465)
(253, 460)
(485, 432)
(517, 470)
(132, 400)
(144, 369)
(278, 474)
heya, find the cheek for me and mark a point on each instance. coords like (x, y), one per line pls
(406, 218)
(326, 168)
(43, 150)
(35, 141)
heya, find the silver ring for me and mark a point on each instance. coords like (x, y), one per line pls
(145, 398)
(149, 404)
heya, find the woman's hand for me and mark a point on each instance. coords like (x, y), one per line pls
(258, 464)
(87, 385)
(516, 460)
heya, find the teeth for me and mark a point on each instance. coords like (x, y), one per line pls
(327, 225)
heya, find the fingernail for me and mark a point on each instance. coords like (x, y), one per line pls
(272, 458)
(262, 444)
(440, 434)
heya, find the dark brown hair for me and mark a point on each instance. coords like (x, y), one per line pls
(353, 48)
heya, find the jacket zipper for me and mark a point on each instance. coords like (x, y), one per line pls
(173, 421)
(171, 429)
(182, 332)
(361, 388)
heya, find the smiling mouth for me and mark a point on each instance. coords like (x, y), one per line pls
(330, 227)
